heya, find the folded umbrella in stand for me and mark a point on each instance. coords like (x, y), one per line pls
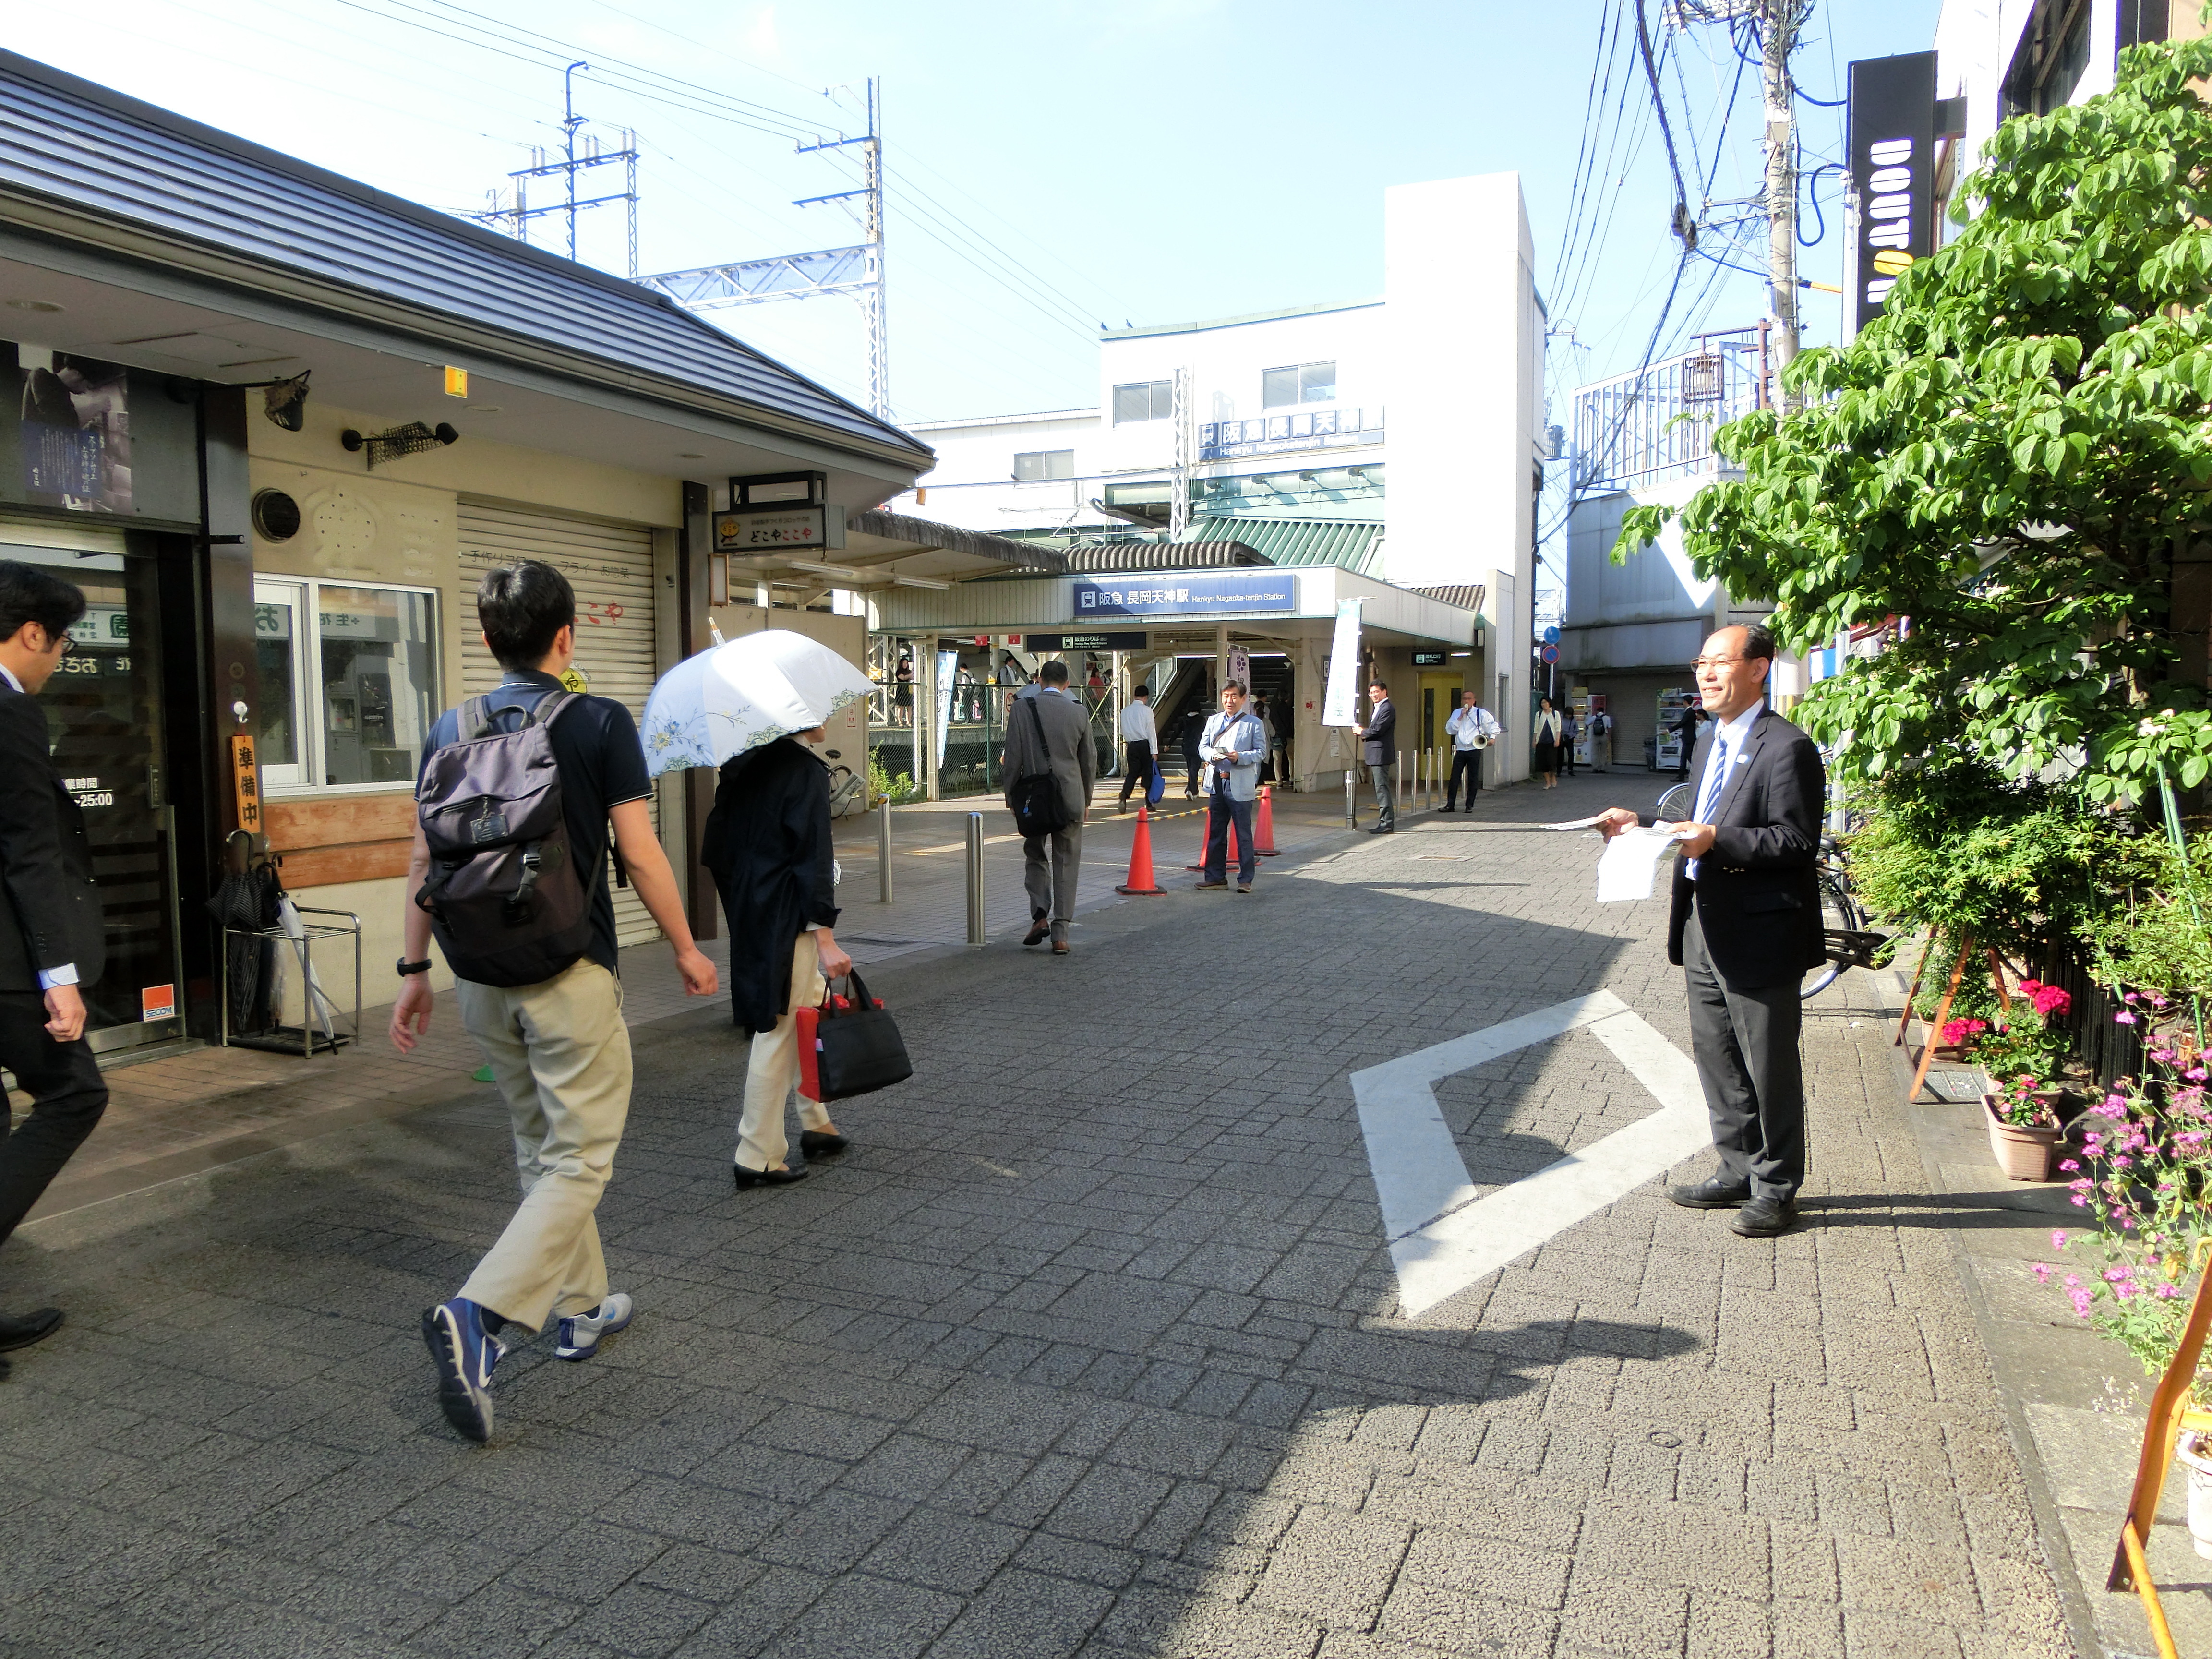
(730, 698)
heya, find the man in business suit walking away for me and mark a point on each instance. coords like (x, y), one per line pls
(1049, 863)
(50, 939)
(1376, 738)
(1744, 929)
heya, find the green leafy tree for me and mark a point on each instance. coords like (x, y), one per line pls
(2010, 456)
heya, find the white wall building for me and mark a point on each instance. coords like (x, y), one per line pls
(1398, 437)
(2007, 58)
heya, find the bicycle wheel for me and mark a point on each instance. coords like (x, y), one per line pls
(1676, 805)
(1840, 910)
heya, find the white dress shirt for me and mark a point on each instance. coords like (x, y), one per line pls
(66, 974)
(1727, 750)
(1137, 724)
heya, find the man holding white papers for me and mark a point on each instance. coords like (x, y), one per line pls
(1746, 927)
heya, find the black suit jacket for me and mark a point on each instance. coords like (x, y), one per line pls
(1378, 747)
(1757, 900)
(49, 908)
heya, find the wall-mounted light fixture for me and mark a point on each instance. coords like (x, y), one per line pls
(390, 445)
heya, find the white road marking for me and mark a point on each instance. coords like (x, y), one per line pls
(1442, 1235)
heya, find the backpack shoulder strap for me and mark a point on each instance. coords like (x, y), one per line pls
(550, 707)
(474, 720)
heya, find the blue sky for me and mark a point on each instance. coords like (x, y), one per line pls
(1054, 164)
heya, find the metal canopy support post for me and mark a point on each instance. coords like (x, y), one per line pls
(1350, 798)
(976, 878)
(883, 850)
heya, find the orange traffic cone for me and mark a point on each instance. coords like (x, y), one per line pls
(1263, 827)
(1141, 882)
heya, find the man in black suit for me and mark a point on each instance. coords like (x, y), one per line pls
(1745, 928)
(1375, 751)
(50, 940)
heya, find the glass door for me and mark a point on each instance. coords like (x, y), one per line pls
(104, 718)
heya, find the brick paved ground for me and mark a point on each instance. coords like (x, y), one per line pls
(1088, 1347)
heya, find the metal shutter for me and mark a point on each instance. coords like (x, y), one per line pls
(610, 567)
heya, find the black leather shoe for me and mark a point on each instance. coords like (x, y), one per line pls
(1710, 1195)
(31, 1327)
(1381, 830)
(749, 1178)
(1763, 1218)
(817, 1143)
(1038, 929)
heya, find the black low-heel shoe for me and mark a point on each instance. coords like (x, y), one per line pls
(815, 1143)
(746, 1178)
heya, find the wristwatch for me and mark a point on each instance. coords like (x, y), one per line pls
(407, 967)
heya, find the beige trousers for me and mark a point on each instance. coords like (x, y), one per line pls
(560, 1053)
(772, 1073)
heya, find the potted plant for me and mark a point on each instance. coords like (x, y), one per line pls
(2025, 1134)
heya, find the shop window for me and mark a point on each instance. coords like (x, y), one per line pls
(1143, 400)
(1044, 466)
(1301, 383)
(348, 682)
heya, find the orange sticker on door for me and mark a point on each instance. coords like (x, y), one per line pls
(158, 1002)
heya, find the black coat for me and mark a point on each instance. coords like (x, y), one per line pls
(49, 908)
(1379, 746)
(1758, 902)
(768, 845)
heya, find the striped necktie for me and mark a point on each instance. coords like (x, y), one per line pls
(1708, 792)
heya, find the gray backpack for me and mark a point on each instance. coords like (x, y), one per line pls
(504, 897)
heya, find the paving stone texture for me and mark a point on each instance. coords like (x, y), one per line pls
(1088, 1347)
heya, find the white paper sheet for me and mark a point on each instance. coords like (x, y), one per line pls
(1630, 861)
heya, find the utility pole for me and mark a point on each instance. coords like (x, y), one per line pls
(858, 271)
(516, 219)
(1778, 21)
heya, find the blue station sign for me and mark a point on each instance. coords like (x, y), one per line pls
(1143, 595)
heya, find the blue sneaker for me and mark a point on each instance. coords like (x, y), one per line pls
(464, 1353)
(581, 1333)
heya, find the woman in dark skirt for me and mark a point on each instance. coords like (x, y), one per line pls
(768, 846)
(1549, 734)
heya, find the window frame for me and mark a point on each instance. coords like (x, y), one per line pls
(1299, 370)
(309, 711)
(1045, 456)
(1154, 391)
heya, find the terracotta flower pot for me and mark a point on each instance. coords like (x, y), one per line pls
(2024, 1154)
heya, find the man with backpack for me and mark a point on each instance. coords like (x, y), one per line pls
(513, 801)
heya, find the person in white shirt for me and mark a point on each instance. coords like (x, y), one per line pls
(1141, 739)
(1472, 730)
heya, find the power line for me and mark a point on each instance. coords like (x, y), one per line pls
(1684, 227)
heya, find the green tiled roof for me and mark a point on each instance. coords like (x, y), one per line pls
(1349, 543)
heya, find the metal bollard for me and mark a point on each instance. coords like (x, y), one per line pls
(1403, 793)
(883, 850)
(974, 879)
(1350, 801)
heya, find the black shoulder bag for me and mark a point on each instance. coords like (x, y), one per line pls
(1035, 797)
(857, 1046)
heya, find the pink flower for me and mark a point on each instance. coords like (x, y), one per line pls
(1957, 1031)
(2166, 1293)
(2042, 1272)
(2069, 1167)
(2072, 1281)
(2123, 1017)
(2116, 1275)
(2058, 1238)
(2161, 1054)
(2081, 1303)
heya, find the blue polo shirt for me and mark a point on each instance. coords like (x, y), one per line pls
(602, 766)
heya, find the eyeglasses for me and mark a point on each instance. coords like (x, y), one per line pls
(1717, 662)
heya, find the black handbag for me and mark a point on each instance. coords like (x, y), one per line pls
(1035, 797)
(855, 1047)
